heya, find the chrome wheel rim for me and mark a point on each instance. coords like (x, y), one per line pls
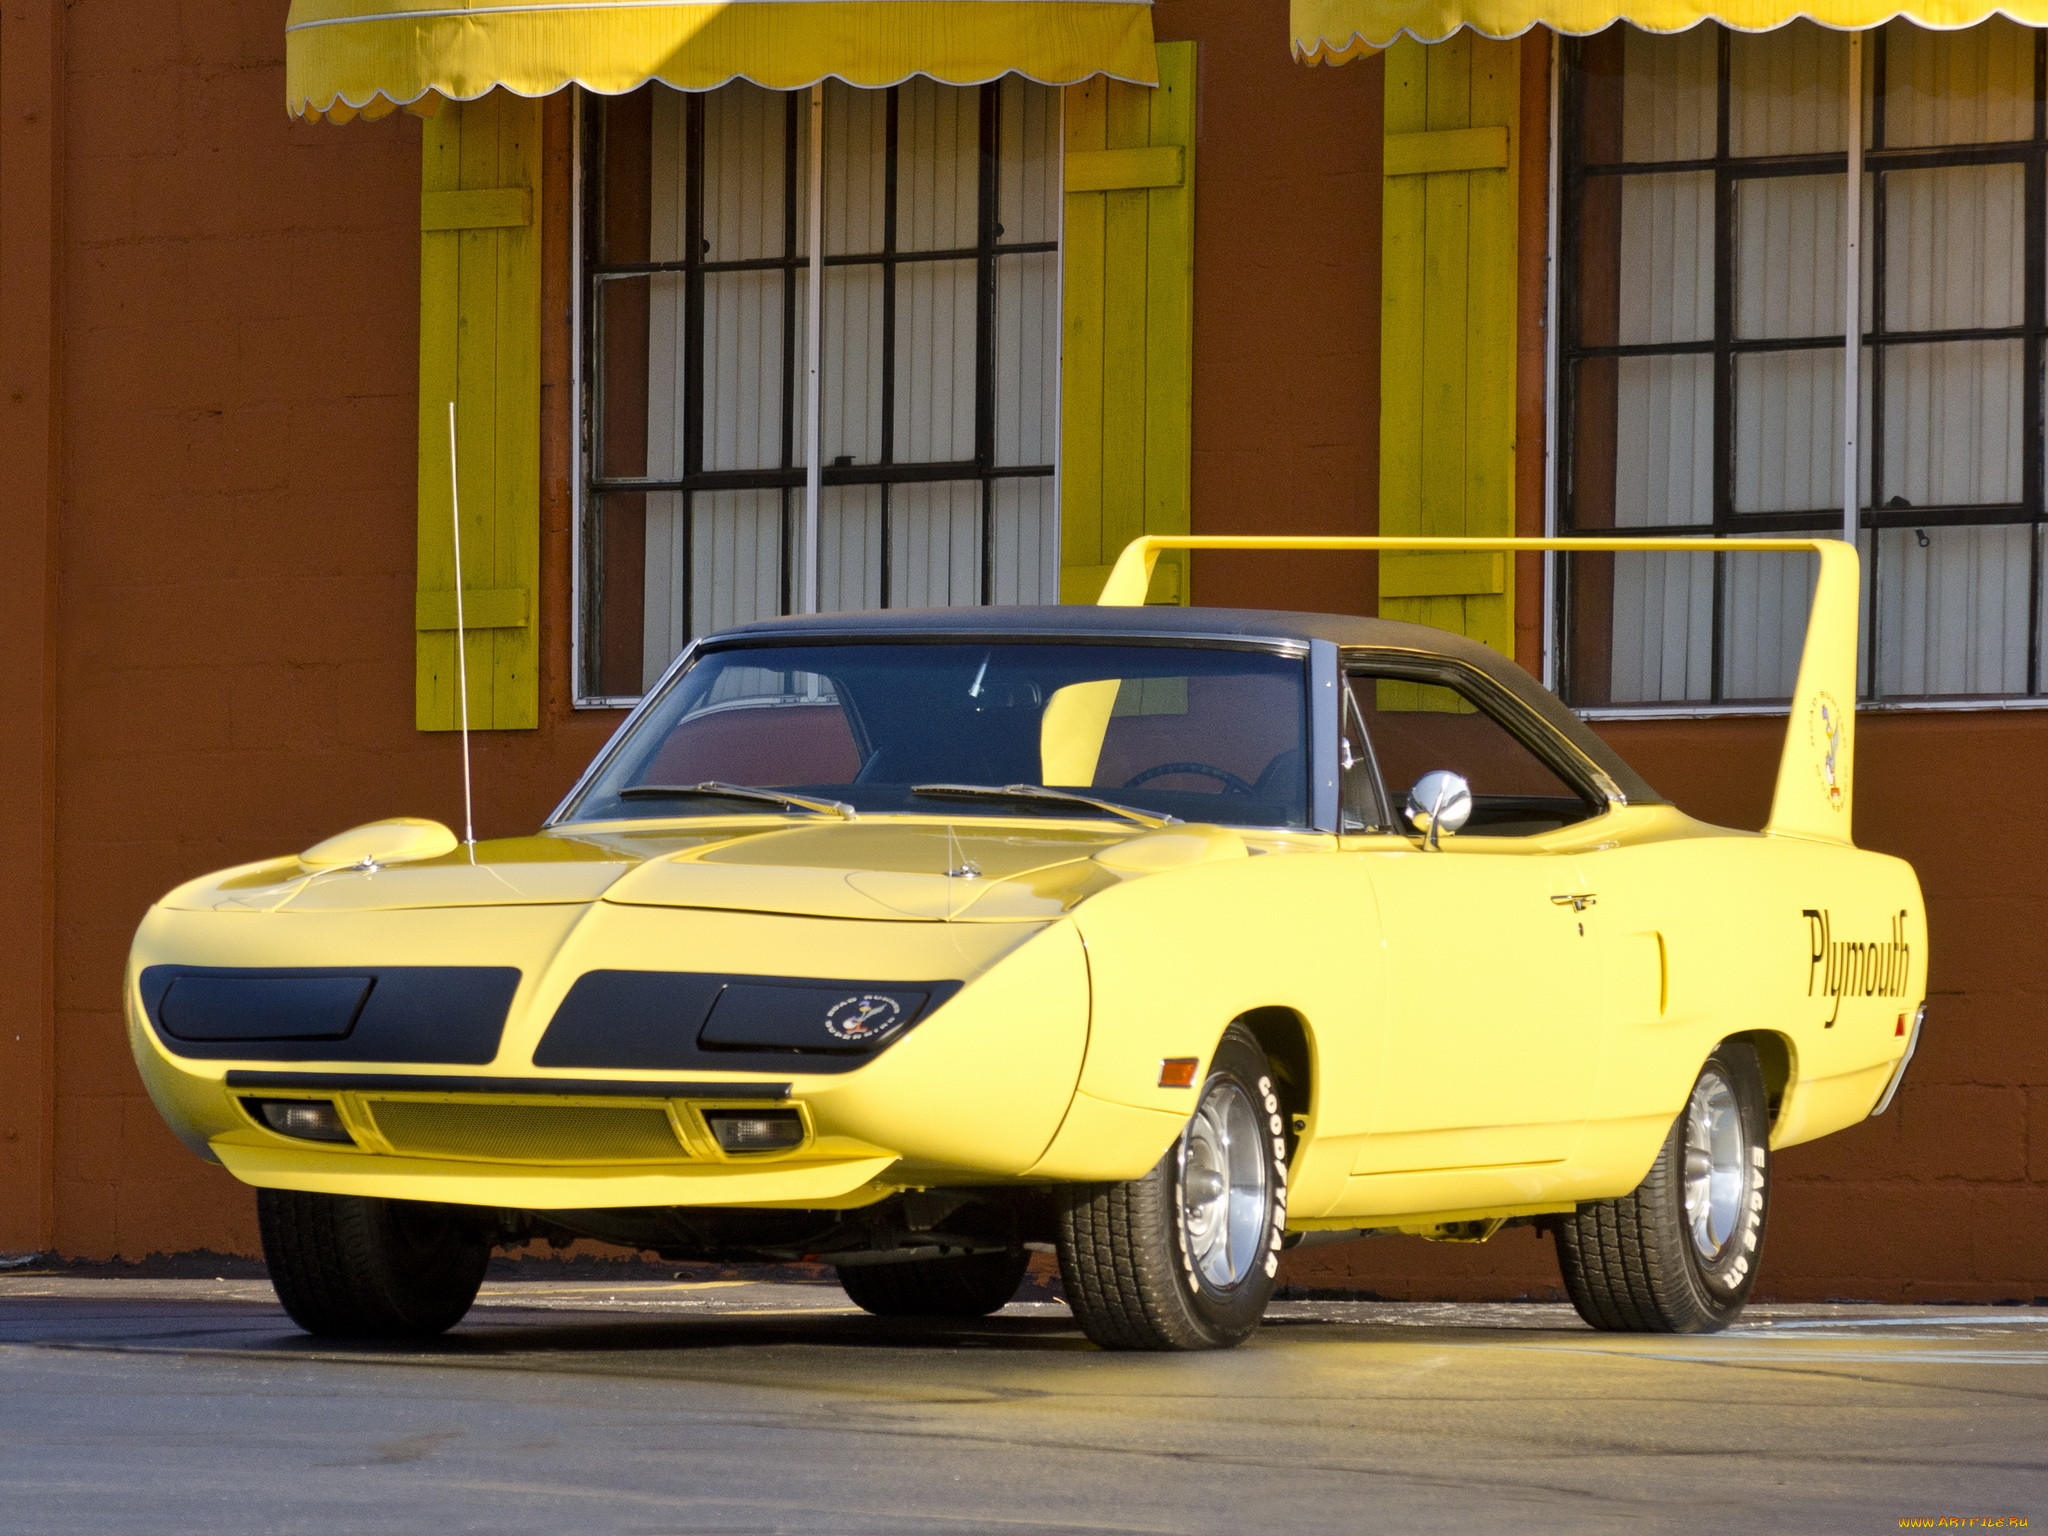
(1716, 1166)
(1225, 1183)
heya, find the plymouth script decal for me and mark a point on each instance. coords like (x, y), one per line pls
(1842, 968)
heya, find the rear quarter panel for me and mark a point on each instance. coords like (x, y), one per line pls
(1708, 933)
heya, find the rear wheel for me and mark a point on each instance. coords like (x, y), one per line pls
(1185, 1258)
(356, 1267)
(961, 1285)
(1679, 1254)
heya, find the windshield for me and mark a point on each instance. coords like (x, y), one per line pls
(1202, 733)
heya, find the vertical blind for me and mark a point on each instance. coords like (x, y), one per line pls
(939, 364)
(1702, 301)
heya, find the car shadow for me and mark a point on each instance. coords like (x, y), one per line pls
(493, 1338)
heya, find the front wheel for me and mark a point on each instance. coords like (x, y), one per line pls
(357, 1267)
(1185, 1257)
(1679, 1254)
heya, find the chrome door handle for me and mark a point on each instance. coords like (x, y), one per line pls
(1578, 902)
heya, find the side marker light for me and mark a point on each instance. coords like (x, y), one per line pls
(1178, 1071)
(1900, 1032)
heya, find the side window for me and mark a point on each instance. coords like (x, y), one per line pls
(1417, 727)
(1363, 806)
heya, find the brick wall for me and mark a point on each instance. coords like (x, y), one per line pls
(235, 566)
(232, 568)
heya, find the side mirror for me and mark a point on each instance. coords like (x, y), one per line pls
(1440, 802)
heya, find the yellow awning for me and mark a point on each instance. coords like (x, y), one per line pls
(369, 57)
(1332, 31)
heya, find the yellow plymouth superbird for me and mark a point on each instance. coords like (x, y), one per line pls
(1165, 937)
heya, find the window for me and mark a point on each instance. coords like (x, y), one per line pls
(939, 354)
(1701, 293)
(1414, 727)
(1209, 734)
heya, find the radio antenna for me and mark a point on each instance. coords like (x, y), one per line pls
(461, 641)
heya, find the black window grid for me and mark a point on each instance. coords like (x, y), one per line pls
(789, 476)
(1725, 347)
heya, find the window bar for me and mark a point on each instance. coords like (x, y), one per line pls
(2034, 265)
(813, 344)
(1724, 361)
(985, 329)
(892, 129)
(792, 179)
(1880, 322)
(1852, 299)
(590, 425)
(1553, 650)
(694, 244)
(1565, 282)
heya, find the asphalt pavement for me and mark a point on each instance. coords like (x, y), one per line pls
(755, 1408)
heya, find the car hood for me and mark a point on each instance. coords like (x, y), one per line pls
(513, 871)
(911, 870)
(917, 870)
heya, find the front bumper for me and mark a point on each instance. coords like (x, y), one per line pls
(974, 1093)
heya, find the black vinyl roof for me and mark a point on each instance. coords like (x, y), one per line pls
(1175, 622)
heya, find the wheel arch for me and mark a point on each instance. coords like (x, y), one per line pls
(1283, 1034)
(1774, 1053)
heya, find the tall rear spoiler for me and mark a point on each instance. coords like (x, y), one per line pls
(1816, 770)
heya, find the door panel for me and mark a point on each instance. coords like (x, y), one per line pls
(1489, 1056)
(1493, 989)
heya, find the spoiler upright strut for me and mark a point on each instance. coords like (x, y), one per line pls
(1816, 769)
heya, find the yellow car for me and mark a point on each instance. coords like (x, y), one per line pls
(1167, 938)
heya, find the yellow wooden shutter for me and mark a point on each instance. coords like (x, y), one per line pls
(1127, 348)
(480, 347)
(1447, 329)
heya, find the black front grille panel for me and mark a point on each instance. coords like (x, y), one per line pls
(665, 1021)
(398, 1013)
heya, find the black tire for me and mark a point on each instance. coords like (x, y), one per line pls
(1130, 1261)
(354, 1267)
(961, 1285)
(1634, 1265)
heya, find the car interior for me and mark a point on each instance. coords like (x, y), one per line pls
(1209, 734)
(1406, 726)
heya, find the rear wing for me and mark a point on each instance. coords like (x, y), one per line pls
(1816, 770)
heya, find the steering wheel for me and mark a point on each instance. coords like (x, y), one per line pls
(1223, 776)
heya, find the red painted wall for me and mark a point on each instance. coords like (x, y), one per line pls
(234, 564)
(211, 660)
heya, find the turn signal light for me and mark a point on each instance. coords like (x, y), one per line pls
(1178, 1071)
(757, 1130)
(306, 1119)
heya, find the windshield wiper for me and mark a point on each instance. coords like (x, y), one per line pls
(1030, 793)
(712, 789)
